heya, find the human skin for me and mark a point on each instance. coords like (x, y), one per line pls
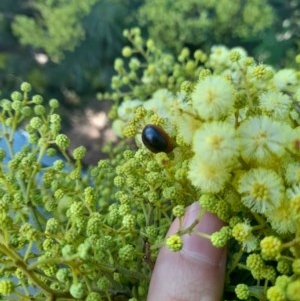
(196, 273)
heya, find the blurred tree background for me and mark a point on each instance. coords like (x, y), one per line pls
(267, 29)
(66, 48)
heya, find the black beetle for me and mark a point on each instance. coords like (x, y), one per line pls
(156, 139)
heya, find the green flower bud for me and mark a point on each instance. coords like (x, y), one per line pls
(221, 237)
(37, 99)
(6, 287)
(75, 174)
(174, 243)
(83, 250)
(59, 165)
(16, 96)
(126, 51)
(52, 226)
(26, 111)
(36, 123)
(63, 274)
(51, 152)
(55, 118)
(2, 154)
(296, 266)
(62, 141)
(118, 65)
(79, 153)
(93, 296)
(78, 290)
(39, 110)
(17, 105)
(127, 253)
(150, 44)
(103, 283)
(67, 251)
(178, 211)
(119, 181)
(6, 104)
(25, 87)
(129, 221)
(134, 64)
(242, 291)
(53, 103)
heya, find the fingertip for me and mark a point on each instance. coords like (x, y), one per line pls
(197, 271)
(198, 246)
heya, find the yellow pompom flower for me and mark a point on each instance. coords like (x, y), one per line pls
(215, 142)
(261, 189)
(259, 71)
(294, 197)
(127, 108)
(295, 207)
(285, 78)
(211, 178)
(281, 218)
(292, 174)
(187, 125)
(164, 103)
(219, 57)
(263, 140)
(213, 98)
(275, 104)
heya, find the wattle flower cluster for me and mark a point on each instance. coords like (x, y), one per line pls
(229, 138)
(236, 130)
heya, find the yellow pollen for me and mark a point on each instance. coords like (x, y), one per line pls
(260, 191)
(215, 141)
(210, 96)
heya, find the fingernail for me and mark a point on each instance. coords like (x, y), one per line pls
(197, 246)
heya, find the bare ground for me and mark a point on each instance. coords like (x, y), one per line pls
(91, 128)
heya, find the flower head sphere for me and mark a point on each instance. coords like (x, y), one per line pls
(261, 189)
(284, 79)
(292, 174)
(213, 97)
(215, 142)
(187, 124)
(219, 57)
(282, 218)
(166, 105)
(275, 104)
(162, 102)
(127, 108)
(210, 178)
(262, 139)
